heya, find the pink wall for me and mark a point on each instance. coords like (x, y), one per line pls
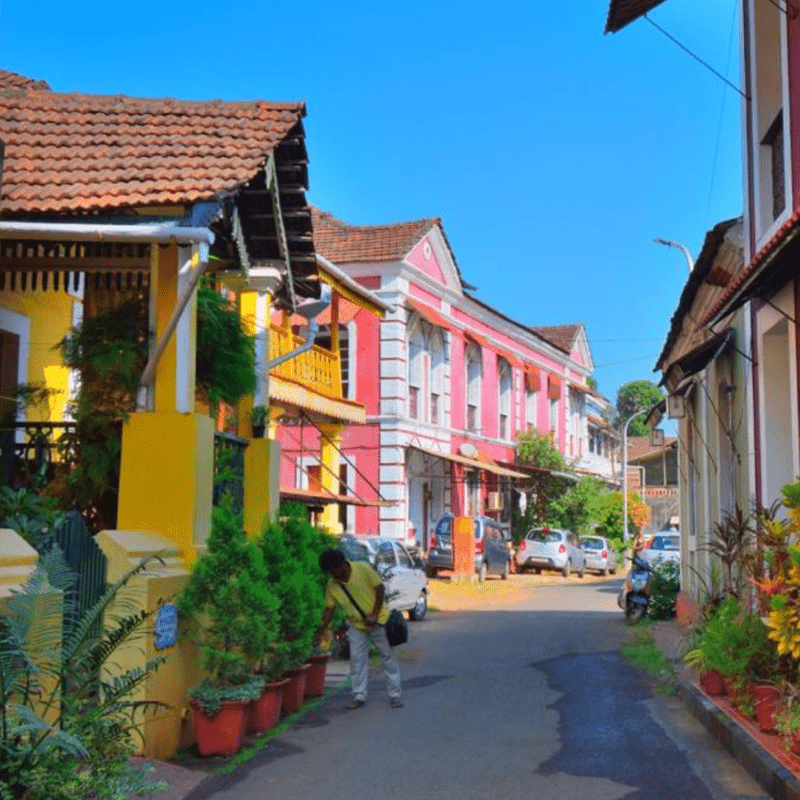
(430, 266)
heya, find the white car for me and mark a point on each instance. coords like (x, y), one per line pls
(551, 548)
(663, 547)
(405, 580)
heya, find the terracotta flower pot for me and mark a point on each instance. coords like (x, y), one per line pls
(266, 711)
(221, 734)
(295, 689)
(765, 700)
(712, 684)
(315, 677)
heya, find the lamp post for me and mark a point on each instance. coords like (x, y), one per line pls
(677, 246)
(625, 472)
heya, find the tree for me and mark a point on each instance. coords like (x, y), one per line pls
(578, 509)
(634, 397)
(610, 511)
(535, 449)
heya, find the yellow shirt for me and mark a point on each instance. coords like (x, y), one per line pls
(362, 585)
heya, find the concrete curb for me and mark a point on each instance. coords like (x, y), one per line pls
(774, 777)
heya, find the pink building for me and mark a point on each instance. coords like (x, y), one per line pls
(447, 382)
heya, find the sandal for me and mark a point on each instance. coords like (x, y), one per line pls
(354, 704)
(395, 702)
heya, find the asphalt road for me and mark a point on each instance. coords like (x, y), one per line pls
(528, 699)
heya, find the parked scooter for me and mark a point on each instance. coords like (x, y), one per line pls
(634, 597)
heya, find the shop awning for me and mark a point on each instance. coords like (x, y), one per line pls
(322, 497)
(696, 360)
(472, 463)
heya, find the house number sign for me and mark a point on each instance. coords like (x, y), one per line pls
(166, 628)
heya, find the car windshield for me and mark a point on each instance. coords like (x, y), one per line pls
(545, 536)
(666, 543)
(444, 526)
(592, 544)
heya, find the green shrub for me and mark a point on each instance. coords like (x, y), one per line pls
(231, 609)
(665, 587)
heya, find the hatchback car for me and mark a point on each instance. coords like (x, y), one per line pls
(599, 554)
(406, 583)
(492, 548)
(550, 548)
(663, 547)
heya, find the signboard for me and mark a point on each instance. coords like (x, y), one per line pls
(166, 627)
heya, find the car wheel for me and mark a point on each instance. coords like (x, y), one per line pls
(482, 572)
(582, 570)
(421, 606)
(431, 572)
(565, 569)
(504, 573)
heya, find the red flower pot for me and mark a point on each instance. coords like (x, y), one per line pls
(295, 690)
(221, 734)
(315, 677)
(266, 711)
(765, 700)
(712, 684)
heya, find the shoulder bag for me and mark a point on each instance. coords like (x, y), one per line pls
(396, 627)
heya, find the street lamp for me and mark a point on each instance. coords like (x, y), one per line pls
(678, 246)
(625, 472)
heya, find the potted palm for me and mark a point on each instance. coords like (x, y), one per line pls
(232, 615)
(258, 419)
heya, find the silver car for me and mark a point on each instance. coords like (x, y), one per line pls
(600, 555)
(405, 580)
(550, 548)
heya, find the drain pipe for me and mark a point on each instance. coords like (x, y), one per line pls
(310, 311)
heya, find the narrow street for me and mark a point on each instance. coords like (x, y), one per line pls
(529, 698)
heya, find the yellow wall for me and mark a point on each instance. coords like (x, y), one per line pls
(167, 729)
(50, 315)
(166, 478)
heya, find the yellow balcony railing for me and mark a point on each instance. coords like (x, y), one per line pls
(317, 369)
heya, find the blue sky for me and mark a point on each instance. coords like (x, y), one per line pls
(552, 153)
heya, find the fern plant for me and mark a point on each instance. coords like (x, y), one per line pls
(66, 712)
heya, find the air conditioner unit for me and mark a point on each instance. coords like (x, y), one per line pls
(494, 501)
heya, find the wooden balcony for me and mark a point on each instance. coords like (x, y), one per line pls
(317, 369)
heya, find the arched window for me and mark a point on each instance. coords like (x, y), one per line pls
(437, 362)
(504, 399)
(474, 374)
(416, 372)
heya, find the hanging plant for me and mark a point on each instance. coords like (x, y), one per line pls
(225, 352)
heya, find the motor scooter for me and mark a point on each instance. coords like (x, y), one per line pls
(634, 597)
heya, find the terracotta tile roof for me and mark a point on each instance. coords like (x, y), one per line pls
(13, 80)
(78, 152)
(560, 336)
(343, 243)
(640, 447)
(623, 12)
(781, 236)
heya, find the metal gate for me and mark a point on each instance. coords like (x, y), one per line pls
(86, 560)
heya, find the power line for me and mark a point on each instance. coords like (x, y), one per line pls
(696, 57)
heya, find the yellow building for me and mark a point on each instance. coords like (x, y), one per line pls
(107, 200)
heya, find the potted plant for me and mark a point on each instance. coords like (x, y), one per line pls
(787, 718)
(315, 677)
(258, 419)
(233, 617)
(291, 548)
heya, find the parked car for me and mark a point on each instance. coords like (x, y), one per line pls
(551, 548)
(600, 555)
(406, 583)
(492, 548)
(663, 547)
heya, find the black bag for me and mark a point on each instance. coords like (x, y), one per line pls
(396, 628)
